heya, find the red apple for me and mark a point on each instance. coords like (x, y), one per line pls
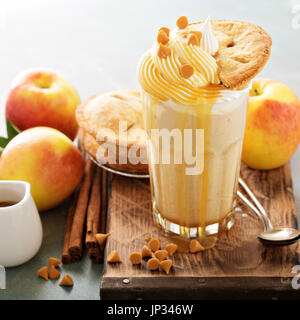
(48, 160)
(272, 132)
(43, 98)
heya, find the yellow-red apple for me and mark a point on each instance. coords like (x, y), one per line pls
(48, 160)
(272, 132)
(43, 98)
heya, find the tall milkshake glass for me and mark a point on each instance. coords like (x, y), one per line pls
(188, 116)
(185, 203)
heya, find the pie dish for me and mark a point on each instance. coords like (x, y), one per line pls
(113, 121)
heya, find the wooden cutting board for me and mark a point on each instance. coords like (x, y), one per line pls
(239, 266)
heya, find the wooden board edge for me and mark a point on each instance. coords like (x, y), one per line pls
(195, 288)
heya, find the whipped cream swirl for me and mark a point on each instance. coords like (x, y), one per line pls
(208, 42)
(191, 46)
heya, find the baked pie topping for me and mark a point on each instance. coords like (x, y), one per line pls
(223, 54)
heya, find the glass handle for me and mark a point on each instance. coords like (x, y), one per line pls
(261, 209)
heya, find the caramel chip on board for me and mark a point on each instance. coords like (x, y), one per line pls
(153, 264)
(166, 265)
(54, 262)
(171, 248)
(135, 258)
(113, 257)
(161, 254)
(43, 272)
(66, 281)
(146, 252)
(195, 246)
(53, 273)
(182, 22)
(101, 238)
(154, 244)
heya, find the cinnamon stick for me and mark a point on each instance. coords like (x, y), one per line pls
(103, 215)
(76, 237)
(96, 254)
(104, 182)
(93, 213)
(66, 257)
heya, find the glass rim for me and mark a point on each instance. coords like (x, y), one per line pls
(219, 100)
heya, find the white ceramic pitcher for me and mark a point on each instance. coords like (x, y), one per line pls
(20, 225)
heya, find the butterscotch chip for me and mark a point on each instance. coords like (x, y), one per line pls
(171, 248)
(53, 273)
(161, 254)
(166, 30)
(146, 252)
(162, 37)
(153, 264)
(54, 262)
(135, 258)
(113, 257)
(197, 33)
(195, 246)
(66, 281)
(182, 22)
(166, 265)
(43, 272)
(154, 244)
(193, 40)
(163, 51)
(186, 70)
(101, 238)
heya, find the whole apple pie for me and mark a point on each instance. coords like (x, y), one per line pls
(112, 130)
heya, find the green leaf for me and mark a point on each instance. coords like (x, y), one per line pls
(3, 143)
(12, 131)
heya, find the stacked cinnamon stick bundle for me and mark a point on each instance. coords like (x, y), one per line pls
(86, 216)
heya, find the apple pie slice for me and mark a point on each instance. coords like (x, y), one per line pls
(244, 48)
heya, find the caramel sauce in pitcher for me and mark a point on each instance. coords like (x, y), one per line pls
(7, 203)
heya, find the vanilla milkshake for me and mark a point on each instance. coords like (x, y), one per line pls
(181, 90)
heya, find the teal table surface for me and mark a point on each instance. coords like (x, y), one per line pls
(96, 45)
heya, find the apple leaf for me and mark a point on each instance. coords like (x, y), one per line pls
(3, 143)
(12, 131)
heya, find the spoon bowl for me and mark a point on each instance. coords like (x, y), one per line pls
(279, 235)
(270, 235)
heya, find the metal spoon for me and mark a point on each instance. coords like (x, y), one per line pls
(270, 235)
